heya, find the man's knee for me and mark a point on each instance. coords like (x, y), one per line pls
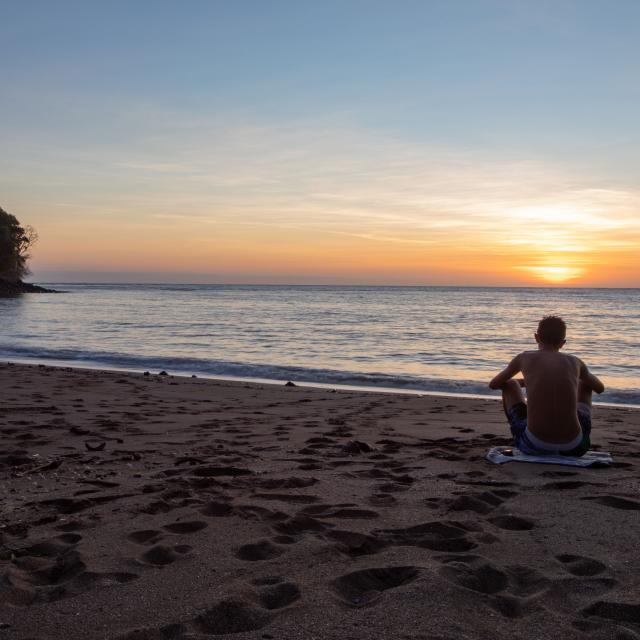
(511, 394)
(510, 386)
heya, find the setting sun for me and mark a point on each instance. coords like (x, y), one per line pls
(555, 275)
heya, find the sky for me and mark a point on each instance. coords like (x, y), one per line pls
(455, 142)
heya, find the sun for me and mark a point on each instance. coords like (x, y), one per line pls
(557, 238)
(554, 274)
(557, 274)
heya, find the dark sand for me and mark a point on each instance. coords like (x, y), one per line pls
(156, 507)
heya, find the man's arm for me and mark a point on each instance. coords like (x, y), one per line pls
(588, 379)
(511, 369)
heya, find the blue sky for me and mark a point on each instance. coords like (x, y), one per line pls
(477, 73)
(120, 101)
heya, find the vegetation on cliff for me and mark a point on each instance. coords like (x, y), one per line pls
(15, 242)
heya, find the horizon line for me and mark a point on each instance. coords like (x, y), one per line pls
(345, 285)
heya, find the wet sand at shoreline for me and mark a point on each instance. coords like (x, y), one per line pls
(144, 507)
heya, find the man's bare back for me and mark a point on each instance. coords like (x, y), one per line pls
(559, 388)
(551, 379)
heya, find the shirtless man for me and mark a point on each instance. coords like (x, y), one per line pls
(556, 418)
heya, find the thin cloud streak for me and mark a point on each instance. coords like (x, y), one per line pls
(329, 178)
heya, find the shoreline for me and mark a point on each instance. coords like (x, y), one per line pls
(61, 364)
(10, 289)
(144, 507)
(401, 346)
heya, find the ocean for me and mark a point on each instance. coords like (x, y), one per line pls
(432, 339)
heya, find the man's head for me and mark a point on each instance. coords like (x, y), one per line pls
(552, 332)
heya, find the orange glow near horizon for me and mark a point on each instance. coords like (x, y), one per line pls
(268, 255)
(340, 207)
(556, 275)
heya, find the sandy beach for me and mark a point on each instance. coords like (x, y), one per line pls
(158, 507)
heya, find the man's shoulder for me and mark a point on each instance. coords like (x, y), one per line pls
(573, 358)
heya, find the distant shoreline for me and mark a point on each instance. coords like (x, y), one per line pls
(16, 288)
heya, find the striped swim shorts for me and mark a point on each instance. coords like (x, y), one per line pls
(517, 416)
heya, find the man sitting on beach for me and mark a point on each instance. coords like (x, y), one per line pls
(556, 417)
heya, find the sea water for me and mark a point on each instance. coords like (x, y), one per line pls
(438, 339)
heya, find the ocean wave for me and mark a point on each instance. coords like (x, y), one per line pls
(271, 372)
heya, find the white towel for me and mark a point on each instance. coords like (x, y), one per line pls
(589, 459)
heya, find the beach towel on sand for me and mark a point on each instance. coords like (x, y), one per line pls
(589, 459)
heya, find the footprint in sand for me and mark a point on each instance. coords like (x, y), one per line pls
(382, 499)
(485, 578)
(526, 581)
(437, 536)
(67, 505)
(618, 611)
(169, 500)
(161, 555)
(616, 502)
(261, 550)
(507, 590)
(353, 544)
(185, 527)
(217, 509)
(300, 524)
(581, 565)
(52, 570)
(256, 512)
(508, 606)
(481, 503)
(232, 616)
(322, 440)
(364, 587)
(392, 487)
(276, 592)
(145, 536)
(571, 593)
(69, 538)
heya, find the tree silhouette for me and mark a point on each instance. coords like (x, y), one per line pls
(15, 241)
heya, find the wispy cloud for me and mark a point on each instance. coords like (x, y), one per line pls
(312, 180)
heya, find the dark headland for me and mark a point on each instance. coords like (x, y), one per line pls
(14, 288)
